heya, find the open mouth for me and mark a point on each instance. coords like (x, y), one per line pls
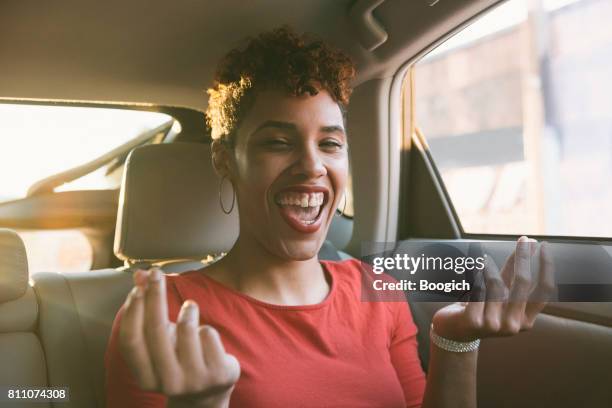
(302, 208)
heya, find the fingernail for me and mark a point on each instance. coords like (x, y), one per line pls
(189, 312)
(211, 331)
(135, 275)
(155, 274)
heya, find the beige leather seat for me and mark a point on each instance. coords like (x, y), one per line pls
(168, 213)
(22, 362)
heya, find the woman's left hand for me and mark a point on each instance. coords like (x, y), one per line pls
(506, 309)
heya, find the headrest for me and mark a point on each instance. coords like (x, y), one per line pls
(169, 205)
(13, 266)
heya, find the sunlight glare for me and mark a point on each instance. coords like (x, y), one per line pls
(38, 141)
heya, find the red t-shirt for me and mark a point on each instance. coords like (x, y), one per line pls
(341, 352)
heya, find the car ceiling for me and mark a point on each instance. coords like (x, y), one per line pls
(165, 52)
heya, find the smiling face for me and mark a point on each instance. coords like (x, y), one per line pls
(289, 166)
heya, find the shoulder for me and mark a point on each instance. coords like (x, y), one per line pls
(359, 274)
(186, 284)
(354, 282)
(183, 286)
(198, 286)
(345, 273)
(348, 267)
(340, 264)
(352, 277)
(359, 277)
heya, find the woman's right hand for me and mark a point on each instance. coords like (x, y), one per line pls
(183, 360)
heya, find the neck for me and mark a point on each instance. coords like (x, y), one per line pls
(253, 270)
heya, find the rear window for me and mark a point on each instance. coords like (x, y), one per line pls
(40, 141)
(515, 111)
(62, 251)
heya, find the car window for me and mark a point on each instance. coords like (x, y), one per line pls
(62, 251)
(40, 141)
(515, 112)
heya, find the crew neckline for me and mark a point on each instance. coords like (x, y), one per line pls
(328, 299)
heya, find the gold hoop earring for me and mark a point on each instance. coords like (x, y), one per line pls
(341, 213)
(227, 212)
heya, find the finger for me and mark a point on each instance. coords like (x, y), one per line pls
(475, 251)
(189, 349)
(478, 290)
(514, 309)
(545, 288)
(158, 341)
(132, 342)
(223, 368)
(475, 307)
(214, 352)
(140, 277)
(507, 273)
(497, 294)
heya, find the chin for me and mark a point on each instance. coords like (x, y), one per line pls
(299, 250)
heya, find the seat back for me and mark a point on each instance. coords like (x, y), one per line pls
(76, 314)
(22, 362)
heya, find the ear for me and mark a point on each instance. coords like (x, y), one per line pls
(221, 158)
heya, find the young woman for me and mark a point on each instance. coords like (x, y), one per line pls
(269, 325)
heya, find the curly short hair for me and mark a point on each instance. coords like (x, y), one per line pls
(277, 59)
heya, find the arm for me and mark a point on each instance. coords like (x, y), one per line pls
(451, 380)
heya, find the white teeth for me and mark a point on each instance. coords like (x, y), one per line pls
(303, 200)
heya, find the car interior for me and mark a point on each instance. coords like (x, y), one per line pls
(162, 206)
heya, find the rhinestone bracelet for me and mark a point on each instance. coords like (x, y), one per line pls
(452, 345)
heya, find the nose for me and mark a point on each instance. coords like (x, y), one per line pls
(309, 163)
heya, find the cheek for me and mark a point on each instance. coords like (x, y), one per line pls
(338, 173)
(256, 176)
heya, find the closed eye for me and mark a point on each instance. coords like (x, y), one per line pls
(277, 143)
(331, 144)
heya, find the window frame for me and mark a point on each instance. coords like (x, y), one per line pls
(409, 132)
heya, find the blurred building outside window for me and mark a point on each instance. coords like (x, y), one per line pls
(515, 111)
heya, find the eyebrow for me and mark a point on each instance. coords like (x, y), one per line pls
(332, 129)
(275, 124)
(292, 127)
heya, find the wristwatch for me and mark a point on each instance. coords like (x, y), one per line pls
(452, 345)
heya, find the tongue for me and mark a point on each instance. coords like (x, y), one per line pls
(301, 213)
